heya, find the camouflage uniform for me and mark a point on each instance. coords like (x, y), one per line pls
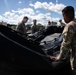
(21, 28)
(69, 43)
(34, 28)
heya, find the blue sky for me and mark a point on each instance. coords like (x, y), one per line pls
(12, 11)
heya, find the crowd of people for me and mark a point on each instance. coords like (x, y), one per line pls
(23, 28)
(69, 35)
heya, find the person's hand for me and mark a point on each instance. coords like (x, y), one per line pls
(54, 58)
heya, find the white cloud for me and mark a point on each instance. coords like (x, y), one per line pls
(10, 17)
(15, 16)
(48, 6)
(24, 11)
(43, 18)
(36, 5)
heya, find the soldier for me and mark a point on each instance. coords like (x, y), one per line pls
(48, 25)
(69, 38)
(34, 27)
(61, 23)
(21, 26)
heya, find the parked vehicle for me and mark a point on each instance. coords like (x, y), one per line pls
(28, 53)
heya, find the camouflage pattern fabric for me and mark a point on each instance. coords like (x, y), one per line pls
(69, 43)
(34, 28)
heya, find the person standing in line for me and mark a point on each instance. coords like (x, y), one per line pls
(69, 38)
